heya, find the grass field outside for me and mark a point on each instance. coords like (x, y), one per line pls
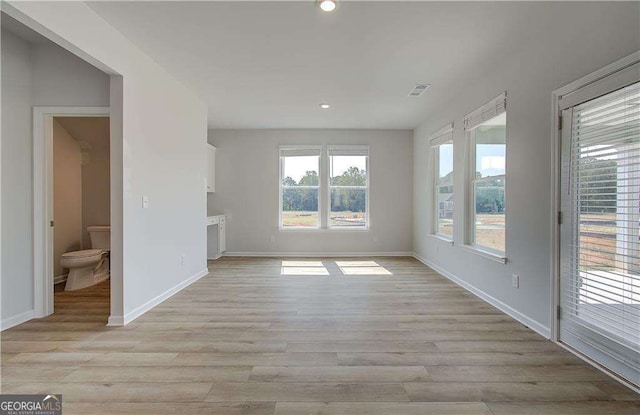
(347, 218)
(598, 241)
(490, 230)
(302, 219)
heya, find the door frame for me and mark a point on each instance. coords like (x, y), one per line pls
(43, 199)
(556, 188)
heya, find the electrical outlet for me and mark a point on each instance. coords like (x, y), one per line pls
(515, 281)
(145, 202)
(182, 258)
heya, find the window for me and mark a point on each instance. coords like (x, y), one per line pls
(442, 156)
(324, 188)
(348, 186)
(486, 134)
(299, 187)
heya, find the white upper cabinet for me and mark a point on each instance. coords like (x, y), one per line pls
(211, 168)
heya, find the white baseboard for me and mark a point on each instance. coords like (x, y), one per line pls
(507, 309)
(137, 312)
(15, 320)
(115, 321)
(60, 278)
(318, 254)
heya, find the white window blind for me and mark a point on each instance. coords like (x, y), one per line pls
(490, 110)
(443, 135)
(348, 150)
(601, 305)
(299, 151)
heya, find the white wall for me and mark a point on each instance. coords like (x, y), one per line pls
(32, 75)
(67, 195)
(158, 129)
(573, 42)
(247, 192)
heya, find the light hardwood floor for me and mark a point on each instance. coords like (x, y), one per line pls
(367, 336)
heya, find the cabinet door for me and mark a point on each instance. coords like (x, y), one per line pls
(222, 235)
(211, 169)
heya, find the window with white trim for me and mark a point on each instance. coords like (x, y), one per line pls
(324, 187)
(485, 129)
(442, 156)
(348, 178)
(300, 187)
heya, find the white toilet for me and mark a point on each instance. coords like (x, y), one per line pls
(89, 266)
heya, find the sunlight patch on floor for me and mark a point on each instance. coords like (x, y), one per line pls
(303, 268)
(362, 268)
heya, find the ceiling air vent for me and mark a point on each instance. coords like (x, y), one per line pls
(418, 90)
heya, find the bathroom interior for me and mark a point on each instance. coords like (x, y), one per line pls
(81, 215)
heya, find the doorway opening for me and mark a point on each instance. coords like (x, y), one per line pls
(81, 217)
(72, 212)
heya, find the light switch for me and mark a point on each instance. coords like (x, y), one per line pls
(145, 202)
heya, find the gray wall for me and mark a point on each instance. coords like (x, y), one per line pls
(17, 229)
(247, 191)
(67, 195)
(570, 44)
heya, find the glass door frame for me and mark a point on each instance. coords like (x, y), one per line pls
(596, 84)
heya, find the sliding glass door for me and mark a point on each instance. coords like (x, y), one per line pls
(600, 202)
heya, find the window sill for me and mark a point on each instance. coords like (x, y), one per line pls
(441, 238)
(494, 256)
(343, 229)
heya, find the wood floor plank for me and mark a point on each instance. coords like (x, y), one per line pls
(355, 374)
(201, 408)
(213, 346)
(116, 392)
(557, 373)
(381, 408)
(68, 346)
(203, 374)
(364, 346)
(392, 337)
(503, 391)
(306, 392)
(565, 408)
(463, 359)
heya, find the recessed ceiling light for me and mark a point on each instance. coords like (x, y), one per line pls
(325, 106)
(327, 5)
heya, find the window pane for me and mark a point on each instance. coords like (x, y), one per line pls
(300, 170)
(299, 207)
(489, 217)
(348, 207)
(490, 140)
(348, 171)
(444, 225)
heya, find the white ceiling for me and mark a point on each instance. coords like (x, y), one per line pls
(269, 64)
